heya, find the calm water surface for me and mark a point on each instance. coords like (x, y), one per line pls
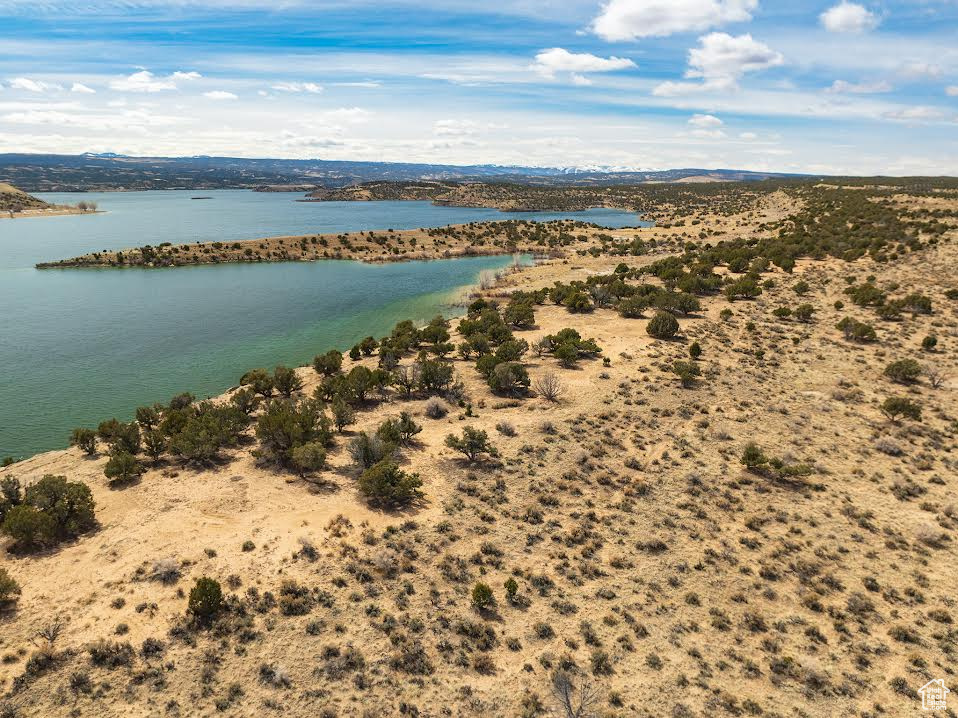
(81, 345)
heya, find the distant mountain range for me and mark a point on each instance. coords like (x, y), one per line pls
(62, 173)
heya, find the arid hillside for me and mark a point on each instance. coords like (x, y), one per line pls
(731, 491)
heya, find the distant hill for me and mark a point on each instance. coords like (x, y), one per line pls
(50, 173)
(15, 200)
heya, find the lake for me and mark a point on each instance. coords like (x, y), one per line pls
(82, 345)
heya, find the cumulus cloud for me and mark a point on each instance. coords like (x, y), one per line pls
(25, 83)
(220, 95)
(952, 91)
(849, 17)
(632, 19)
(308, 87)
(80, 88)
(146, 81)
(863, 88)
(549, 62)
(705, 121)
(719, 61)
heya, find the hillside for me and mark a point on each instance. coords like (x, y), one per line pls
(15, 200)
(729, 492)
(68, 173)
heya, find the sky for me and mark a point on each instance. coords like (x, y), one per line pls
(820, 87)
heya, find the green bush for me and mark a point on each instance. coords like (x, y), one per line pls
(286, 381)
(686, 371)
(368, 450)
(84, 439)
(903, 371)
(206, 599)
(894, 407)
(329, 363)
(482, 596)
(52, 510)
(804, 312)
(29, 528)
(752, 456)
(259, 381)
(9, 588)
(929, 343)
(286, 424)
(662, 326)
(695, 350)
(122, 468)
(308, 457)
(472, 444)
(385, 484)
(509, 378)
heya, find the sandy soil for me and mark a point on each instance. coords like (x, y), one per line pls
(678, 582)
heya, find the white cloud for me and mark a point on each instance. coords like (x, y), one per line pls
(719, 61)
(557, 59)
(705, 121)
(919, 70)
(82, 89)
(220, 95)
(748, 136)
(310, 87)
(863, 88)
(365, 84)
(952, 91)
(632, 19)
(915, 114)
(25, 83)
(849, 17)
(146, 81)
(721, 56)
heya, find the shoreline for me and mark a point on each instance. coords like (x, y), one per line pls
(52, 212)
(459, 299)
(478, 239)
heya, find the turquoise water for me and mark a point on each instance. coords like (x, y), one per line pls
(79, 346)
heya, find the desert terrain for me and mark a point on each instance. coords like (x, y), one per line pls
(729, 518)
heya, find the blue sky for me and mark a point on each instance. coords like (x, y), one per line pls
(828, 86)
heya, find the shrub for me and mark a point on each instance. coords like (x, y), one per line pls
(120, 436)
(929, 343)
(804, 312)
(482, 596)
(28, 527)
(519, 313)
(343, 414)
(245, 400)
(436, 409)
(752, 456)
(548, 386)
(509, 378)
(473, 443)
(695, 351)
(204, 430)
(286, 381)
(385, 484)
(329, 363)
(801, 288)
(367, 450)
(662, 326)
(259, 381)
(633, 307)
(9, 588)
(904, 371)
(286, 424)
(206, 599)
(122, 468)
(512, 589)
(84, 439)
(567, 354)
(856, 330)
(68, 503)
(686, 371)
(894, 407)
(308, 457)
(108, 654)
